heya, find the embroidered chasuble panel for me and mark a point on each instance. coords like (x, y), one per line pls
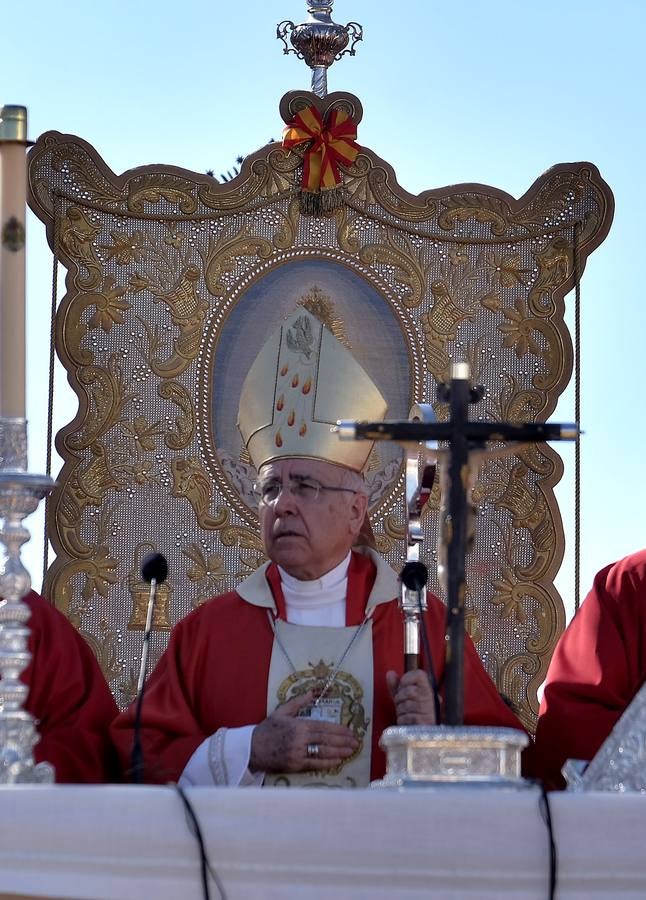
(304, 658)
(174, 282)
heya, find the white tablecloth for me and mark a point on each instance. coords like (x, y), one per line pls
(133, 842)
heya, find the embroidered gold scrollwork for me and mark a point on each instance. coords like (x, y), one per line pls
(187, 312)
(86, 486)
(74, 161)
(109, 309)
(286, 234)
(530, 510)
(357, 184)
(105, 648)
(516, 404)
(106, 396)
(181, 433)
(394, 528)
(472, 623)
(98, 574)
(191, 482)
(373, 185)
(345, 231)
(554, 265)
(268, 176)
(537, 617)
(155, 188)
(459, 207)
(221, 257)
(409, 273)
(76, 236)
(536, 336)
(252, 551)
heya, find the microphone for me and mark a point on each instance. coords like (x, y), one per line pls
(414, 576)
(154, 571)
(154, 567)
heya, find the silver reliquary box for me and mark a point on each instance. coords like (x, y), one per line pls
(420, 755)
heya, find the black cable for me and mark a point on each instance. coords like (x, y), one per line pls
(546, 816)
(206, 868)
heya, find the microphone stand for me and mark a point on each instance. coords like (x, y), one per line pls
(154, 570)
(414, 574)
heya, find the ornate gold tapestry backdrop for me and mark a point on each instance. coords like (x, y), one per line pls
(174, 281)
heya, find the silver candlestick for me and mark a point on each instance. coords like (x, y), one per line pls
(20, 494)
(319, 41)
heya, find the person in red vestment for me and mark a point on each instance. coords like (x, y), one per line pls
(69, 698)
(598, 666)
(291, 679)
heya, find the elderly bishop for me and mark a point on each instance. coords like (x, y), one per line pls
(292, 678)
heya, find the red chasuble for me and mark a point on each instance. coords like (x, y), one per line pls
(214, 674)
(597, 668)
(69, 698)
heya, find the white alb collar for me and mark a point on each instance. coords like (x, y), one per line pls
(323, 591)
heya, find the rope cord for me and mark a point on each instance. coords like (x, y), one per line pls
(577, 417)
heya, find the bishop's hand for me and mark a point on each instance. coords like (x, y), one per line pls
(413, 697)
(283, 742)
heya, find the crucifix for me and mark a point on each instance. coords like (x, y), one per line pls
(465, 439)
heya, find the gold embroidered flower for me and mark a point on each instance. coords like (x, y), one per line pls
(174, 239)
(138, 283)
(141, 472)
(505, 270)
(458, 257)
(519, 331)
(109, 308)
(251, 559)
(142, 433)
(509, 595)
(491, 301)
(100, 574)
(211, 566)
(126, 248)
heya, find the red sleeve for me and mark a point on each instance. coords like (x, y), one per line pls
(170, 732)
(70, 699)
(212, 674)
(597, 667)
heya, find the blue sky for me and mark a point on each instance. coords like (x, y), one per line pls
(494, 93)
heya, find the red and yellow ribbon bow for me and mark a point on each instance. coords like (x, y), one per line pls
(333, 143)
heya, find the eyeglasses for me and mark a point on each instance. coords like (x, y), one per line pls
(306, 490)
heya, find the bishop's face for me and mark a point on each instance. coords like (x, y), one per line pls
(309, 520)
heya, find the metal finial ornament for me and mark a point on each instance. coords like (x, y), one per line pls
(319, 41)
(13, 124)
